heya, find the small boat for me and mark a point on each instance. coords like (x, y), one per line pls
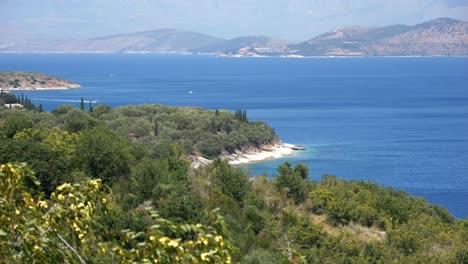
(294, 147)
(297, 147)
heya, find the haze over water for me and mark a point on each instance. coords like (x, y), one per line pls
(399, 122)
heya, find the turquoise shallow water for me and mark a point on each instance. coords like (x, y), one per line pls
(400, 122)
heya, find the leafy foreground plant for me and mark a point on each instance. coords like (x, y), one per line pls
(65, 229)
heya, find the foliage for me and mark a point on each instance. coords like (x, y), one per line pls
(28, 104)
(209, 133)
(230, 181)
(206, 132)
(142, 152)
(51, 166)
(291, 179)
(368, 204)
(58, 140)
(13, 124)
(241, 115)
(63, 229)
(165, 184)
(155, 178)
(101, 110)
(76, 120)
(8, 98)
(62, 110)
(46, 231)
(302, 170)
(103, 154)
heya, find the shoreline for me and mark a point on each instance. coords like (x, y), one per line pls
(253, 154)
(42, 88)
(289, 56)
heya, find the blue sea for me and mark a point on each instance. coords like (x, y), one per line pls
(399, 122)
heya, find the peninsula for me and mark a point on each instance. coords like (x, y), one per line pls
(204, 135)
(15, 81)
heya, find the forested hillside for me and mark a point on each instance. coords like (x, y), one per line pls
(116, 186)
(207, 133)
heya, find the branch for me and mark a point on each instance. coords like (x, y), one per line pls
(72, 249)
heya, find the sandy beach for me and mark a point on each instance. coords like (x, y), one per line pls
(264, 153)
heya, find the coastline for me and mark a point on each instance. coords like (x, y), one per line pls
(75, 86)
(253, 154)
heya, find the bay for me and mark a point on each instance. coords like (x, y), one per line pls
(399, 122)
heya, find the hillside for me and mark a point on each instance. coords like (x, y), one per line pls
(112, 196)
(10, 81)
(198, 132)
(441, 36)
(157, 41)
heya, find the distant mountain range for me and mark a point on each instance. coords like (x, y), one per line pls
(443, 36)
(157, 41)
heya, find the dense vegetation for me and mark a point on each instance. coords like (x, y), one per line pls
(111, 194)
(207, 133)
(8, 98)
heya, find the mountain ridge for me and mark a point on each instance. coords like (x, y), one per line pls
(441, 36)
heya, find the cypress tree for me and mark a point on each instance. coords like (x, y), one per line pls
(217, 112)
(82, 104)
(25, 101)
(40, 108)
(18, 100)
(91, 106)
(238, 115)
(22, 98)
(31, 105)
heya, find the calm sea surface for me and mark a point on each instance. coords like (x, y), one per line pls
(400, 122)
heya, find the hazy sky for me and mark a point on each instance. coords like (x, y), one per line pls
(290, 19)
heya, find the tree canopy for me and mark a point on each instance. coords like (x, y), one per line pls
(103, 187)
